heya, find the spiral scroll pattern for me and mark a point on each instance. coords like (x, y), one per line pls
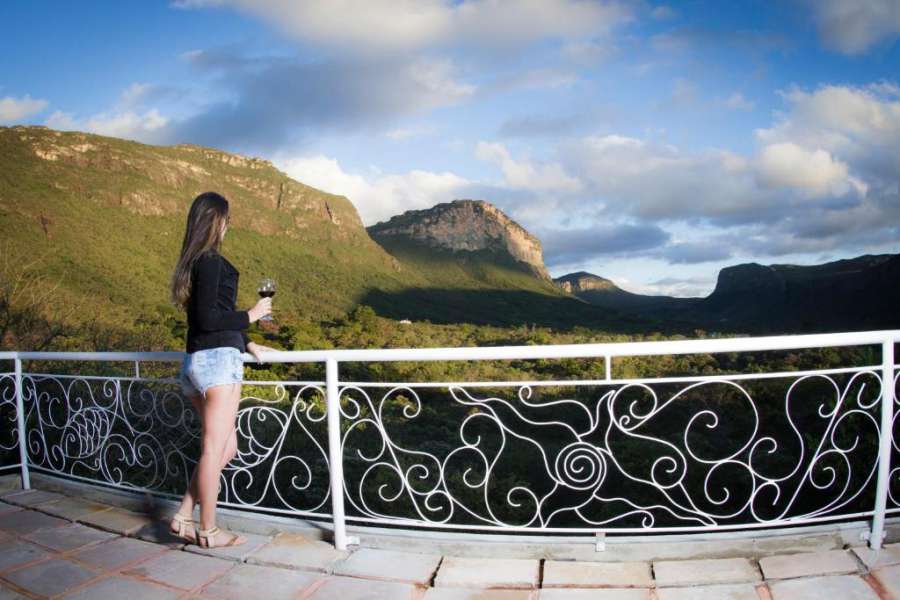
(144, 434)
(691, 455)
(9, 433)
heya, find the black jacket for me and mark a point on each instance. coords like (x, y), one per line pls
(213, 320)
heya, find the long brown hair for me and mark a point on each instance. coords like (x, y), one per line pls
(204, 232)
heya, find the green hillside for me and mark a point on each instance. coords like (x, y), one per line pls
(115, 211)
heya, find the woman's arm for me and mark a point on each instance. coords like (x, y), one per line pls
(209, 316)
(258, 351)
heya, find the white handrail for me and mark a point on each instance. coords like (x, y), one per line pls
(611, 349)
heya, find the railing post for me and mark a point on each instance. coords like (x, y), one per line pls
(335, 455)
(20, 420)
(876, 537)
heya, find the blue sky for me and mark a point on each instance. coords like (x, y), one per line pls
(651, 143)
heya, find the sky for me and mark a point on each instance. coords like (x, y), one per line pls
(650, 143)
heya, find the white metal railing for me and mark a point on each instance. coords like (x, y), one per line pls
(605, 460)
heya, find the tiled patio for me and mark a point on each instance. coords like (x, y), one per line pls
(53, 545)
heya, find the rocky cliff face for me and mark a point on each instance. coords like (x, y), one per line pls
(582, 281)
(752, 279)
(467, 225)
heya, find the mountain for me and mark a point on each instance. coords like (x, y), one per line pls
(852, 294)
(465, 229)
(603, 292)
(846, 295)
(104, 218)
(482, 268)
(108, 217)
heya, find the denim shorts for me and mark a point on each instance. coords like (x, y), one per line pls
(203, 369)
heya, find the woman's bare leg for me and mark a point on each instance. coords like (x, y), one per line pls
(190, 495)
(219, 444)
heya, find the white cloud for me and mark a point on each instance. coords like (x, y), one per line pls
(526, 174)
(679, 287)
(785, 199)
(15, 109)
(146, 126)
(128, 118)
(61, 120)
(815, 173)
(379, 198)
(885, 88)
(364, 26)
(653, 180)
(854, 27)
(834, 117)
(812, 186)
(858, 125)
(134, 94)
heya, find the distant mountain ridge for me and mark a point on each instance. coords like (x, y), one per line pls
(848, 294)
(603, 292)
(856, 293)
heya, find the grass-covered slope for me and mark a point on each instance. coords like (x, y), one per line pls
(108, 216)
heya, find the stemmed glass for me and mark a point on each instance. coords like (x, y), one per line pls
(266, 290)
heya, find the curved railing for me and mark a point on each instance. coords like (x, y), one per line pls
(690, 453)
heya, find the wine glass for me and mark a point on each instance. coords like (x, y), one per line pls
(266, 290)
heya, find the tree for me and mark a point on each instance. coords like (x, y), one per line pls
(365, 316)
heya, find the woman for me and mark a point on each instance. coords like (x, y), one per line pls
(205, 284)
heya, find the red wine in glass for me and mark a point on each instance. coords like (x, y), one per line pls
(266, 290)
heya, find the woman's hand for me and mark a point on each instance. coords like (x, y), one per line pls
(261, 309)
(257, 350)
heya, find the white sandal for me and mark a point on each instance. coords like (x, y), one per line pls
(210, 534)
(183, 524)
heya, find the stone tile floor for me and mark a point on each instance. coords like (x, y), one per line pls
(55, 546)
